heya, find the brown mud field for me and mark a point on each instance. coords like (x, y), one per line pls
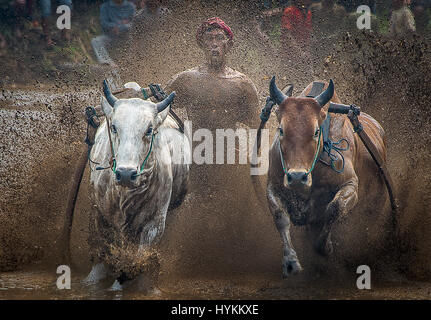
(232, 254)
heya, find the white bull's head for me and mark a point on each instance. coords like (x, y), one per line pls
(133, 123)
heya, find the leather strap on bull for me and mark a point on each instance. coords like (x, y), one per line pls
(329, 146)
(159, 94)
(352, 113)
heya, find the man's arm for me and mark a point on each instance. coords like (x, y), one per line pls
(249, 109)
(176, 84)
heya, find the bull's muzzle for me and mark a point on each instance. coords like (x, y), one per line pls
(126, 176)
(297, 178)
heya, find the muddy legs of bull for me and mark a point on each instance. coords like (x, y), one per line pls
(344, 201)
(145, 283)
(321, 238)
(290, 262)
(98, 273)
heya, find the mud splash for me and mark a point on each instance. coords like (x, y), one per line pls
(391, 81)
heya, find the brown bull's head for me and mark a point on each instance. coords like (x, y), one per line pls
(300, 121)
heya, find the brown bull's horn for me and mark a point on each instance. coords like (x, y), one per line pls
(162, 105)
(326, 95)
(108, 94)
(276, 94)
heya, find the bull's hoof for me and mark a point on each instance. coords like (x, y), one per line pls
(290, 267)
(97, 274)
(154, 292)
(116, 286)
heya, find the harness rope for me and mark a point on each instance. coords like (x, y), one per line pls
(329, 145)
(148, 154)
(113, 164)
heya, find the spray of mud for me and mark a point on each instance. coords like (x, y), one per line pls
(389, 79)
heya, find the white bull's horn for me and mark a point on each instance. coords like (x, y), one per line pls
(162, 105)
(108, 94)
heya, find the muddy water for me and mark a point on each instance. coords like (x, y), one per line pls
(41, 284)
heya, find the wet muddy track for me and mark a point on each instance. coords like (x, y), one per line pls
(41, 284)
(42, 131)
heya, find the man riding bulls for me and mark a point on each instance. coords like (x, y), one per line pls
(216, 96)
(211, 89)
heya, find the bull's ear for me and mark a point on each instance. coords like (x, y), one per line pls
(323, 114)
(288, 90)
(107, 109)
(277, 113)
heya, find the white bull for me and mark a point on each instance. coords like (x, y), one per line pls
(148, 175)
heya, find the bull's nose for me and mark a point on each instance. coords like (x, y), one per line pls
(125, 175)
(297, 177)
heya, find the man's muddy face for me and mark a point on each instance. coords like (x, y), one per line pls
(215, 44)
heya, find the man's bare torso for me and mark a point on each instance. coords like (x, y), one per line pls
(215, 101)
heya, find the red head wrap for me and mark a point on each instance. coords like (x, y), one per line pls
(214, 22)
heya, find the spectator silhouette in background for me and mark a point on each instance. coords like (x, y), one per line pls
(296, 29)
(23, 9)
(150, 15)
(216, 96)
(402, 21)
(46, 12)
(152, 9)
(20, 9)
(329, 20)
(296, 36)
(420, 12)
(115, 18)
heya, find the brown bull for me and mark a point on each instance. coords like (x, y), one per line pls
(302, 188)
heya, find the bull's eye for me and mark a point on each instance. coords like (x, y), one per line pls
(316, 133)
(280, 131)
(149, 131)
(113, 129)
